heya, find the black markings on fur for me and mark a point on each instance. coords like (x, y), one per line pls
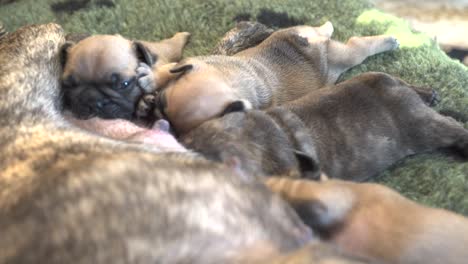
(144, 54)
(308, 165)
(272, 18)
(72, 6)
(182, 69)
(64, 52)
(236, 106)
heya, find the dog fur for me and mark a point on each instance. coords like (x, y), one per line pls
(70, 195)
(352, 130)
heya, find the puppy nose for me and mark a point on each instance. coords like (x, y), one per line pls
(101, 103)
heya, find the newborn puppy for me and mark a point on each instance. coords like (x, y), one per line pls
(100, 75)
(352, 130)
(374, 221)
(285, 66)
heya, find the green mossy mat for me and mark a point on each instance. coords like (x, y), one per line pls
(434, 179)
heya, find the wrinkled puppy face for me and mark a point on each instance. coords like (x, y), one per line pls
(99, 78)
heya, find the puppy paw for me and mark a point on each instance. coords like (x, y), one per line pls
(392, 42)
(146, 78)
(145, 106)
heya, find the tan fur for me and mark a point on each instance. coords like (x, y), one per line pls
(70, 196)
(106, 75)
(315, 252)
(265, 77)
(376, 222)
(96, 57)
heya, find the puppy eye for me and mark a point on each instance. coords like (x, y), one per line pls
(127, 83)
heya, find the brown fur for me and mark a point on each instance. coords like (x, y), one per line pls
(70, 196)
(376, 222)
(352, 130)
(106, 75)
(285, 66)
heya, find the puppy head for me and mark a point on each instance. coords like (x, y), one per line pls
(196, 94)
(99, 77)
(257, 144)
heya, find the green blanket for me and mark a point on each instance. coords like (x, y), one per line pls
(435, 179)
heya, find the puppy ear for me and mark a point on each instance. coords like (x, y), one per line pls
(144, 54)
(64, 52)
(181, 69)
(308, 166)
(236, 106)
(326, 29)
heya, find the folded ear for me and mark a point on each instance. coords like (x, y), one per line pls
(64, 52)
(308, 165)
(164, 75)
(144, 54)
(181, 69)
(326, 29)
(236, 106)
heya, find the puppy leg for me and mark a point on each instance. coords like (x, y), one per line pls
(438, 131)
(342, 57)
(427, 129)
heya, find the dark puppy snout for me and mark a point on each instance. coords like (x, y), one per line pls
(102, 103)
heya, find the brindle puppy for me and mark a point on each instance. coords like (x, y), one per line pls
(352, 131)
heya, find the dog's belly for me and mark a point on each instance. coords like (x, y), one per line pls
(120, 129)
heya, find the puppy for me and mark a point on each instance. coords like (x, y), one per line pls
(101, 78)
(352, 130)
(73, 196)
(376, 222)
(285, 66)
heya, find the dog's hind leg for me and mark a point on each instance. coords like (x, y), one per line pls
(342, 57)
(431, 130)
